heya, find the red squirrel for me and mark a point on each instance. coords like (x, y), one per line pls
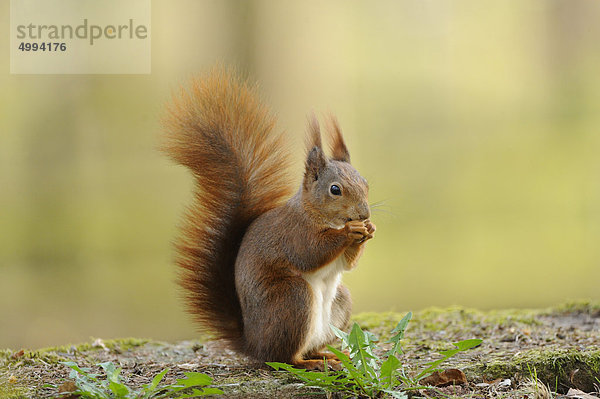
(261, 267)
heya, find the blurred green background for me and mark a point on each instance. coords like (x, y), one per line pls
(477, 124)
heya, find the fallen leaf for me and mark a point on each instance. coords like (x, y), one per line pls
(12, 379)
(66, 390)
(445, 378)
(577, 394)
(188, 366)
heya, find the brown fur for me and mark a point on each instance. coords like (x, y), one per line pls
(244, 256)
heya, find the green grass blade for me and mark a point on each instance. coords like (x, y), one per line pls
(467, 344)
(82, 371)
(193, 379)
(120, 390)
(150, 388)
(387, 371)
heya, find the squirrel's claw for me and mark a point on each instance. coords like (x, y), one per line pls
(356, 236)
(370, 227)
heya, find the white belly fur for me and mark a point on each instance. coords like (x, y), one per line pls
(323, 283)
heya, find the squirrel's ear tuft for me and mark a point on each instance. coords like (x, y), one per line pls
(336, 140)
(313, 135)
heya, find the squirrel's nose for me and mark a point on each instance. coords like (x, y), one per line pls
(364, 212)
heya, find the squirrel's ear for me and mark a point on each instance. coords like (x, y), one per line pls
(315, 163)
(336, 140)
(315, 159)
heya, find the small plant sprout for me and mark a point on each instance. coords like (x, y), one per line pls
(367, 374)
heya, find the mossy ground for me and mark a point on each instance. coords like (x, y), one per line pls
(561, 346)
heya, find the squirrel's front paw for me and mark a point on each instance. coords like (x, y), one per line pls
(357, 230)
(370, 227)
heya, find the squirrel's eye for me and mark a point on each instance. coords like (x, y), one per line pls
(335, 190)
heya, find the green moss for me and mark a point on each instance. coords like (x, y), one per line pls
(556, 368)
(451, 318)
(578, 306)
(33, 356)
(121, 344)
(10, 389)
(7, 391)
(125, 344)
(435, 318)
(53, 355)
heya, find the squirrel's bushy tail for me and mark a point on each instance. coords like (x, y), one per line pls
(218, 128)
